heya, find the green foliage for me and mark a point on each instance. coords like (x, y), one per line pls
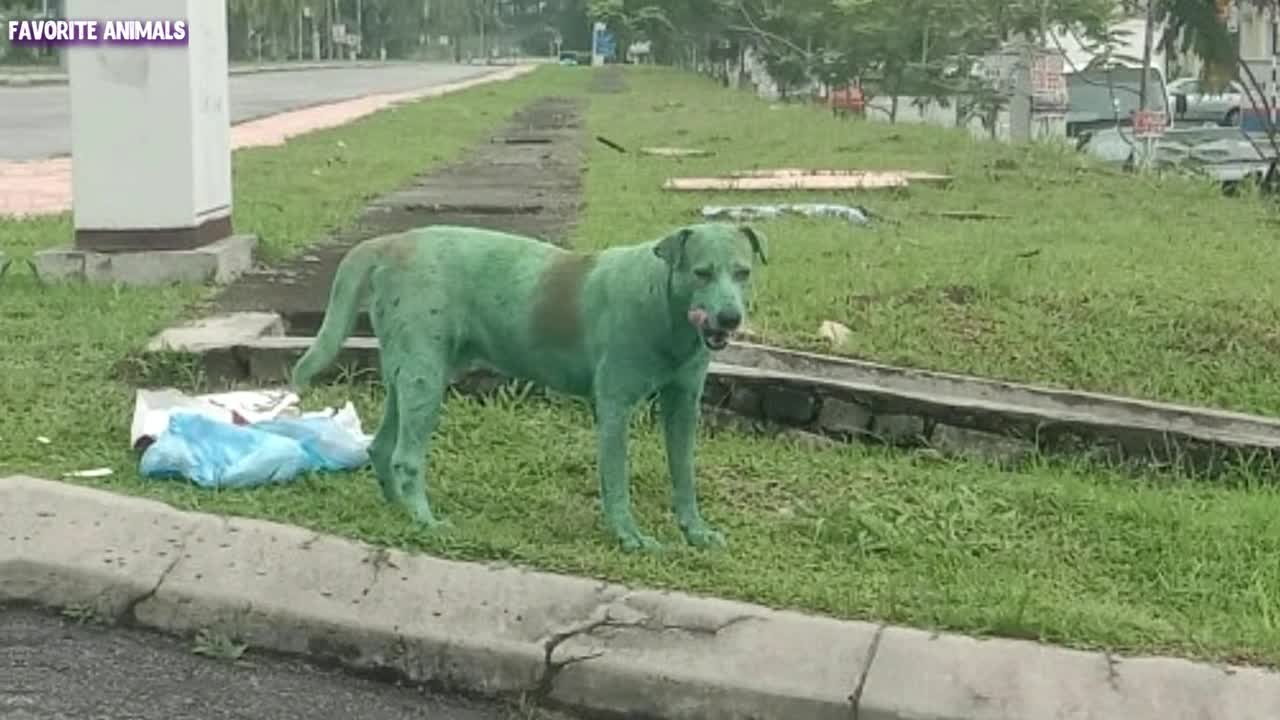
(1193, 26)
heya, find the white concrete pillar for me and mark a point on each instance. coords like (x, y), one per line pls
(597, 29)
(151, 131)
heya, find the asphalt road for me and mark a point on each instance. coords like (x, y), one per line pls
(35, 121)
(52, 668)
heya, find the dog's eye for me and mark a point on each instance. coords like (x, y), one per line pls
(741, 275)
(702, 274)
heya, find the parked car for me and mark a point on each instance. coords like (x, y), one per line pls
(1194, 102)
(1107, 97)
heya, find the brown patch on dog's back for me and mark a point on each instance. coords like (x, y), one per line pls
(397, 249)
(557, 315)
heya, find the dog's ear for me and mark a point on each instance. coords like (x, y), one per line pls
(759, 244)
(671, 247)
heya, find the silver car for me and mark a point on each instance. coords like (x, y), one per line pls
(1193, 102)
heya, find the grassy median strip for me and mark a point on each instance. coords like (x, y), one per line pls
(1064, 553)
(1097, 280)
(62, 343)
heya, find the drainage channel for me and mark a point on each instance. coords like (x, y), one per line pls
(778, 389)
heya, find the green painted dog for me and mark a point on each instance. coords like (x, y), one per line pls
(615, 327)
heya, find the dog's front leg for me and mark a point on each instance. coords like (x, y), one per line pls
(613, 416)
(679, 404)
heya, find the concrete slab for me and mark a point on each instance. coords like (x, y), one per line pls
(591, 646)
(1177, 689)
(220, 262)
(673, 656)
(217, 331)
(482, 626)
(68, 546)
(273, 586)
(529, 189)
(916, 674)
(1050, 416)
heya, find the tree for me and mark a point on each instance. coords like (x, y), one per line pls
(1199, 27)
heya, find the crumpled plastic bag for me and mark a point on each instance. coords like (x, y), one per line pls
(217, 454)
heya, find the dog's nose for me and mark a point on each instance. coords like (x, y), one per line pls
(729, 320)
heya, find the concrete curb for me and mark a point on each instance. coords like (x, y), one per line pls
(847, 399)
(58, 78)
(570, 641)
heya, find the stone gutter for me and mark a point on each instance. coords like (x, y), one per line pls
(837, 398)
(594, 648)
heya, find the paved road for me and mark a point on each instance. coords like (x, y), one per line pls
(52, 668)
(35, 122)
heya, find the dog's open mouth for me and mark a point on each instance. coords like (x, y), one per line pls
(715, 339)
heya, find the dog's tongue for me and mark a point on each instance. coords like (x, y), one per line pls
(698, 317)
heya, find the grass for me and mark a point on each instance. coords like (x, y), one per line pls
(1100, 281)
(1077, 555)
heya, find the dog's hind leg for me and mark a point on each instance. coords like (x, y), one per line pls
(419, 390)
(679, 405)
(384, 442)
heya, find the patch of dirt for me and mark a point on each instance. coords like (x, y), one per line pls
(608, 79)
(525, 180)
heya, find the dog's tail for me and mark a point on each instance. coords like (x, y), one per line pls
(349, 283)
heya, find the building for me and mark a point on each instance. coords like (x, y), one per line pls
(1257, 31)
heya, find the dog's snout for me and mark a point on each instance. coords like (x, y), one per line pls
(728, 319)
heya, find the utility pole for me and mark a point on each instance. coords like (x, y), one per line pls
(1148, 31)
(360, 25)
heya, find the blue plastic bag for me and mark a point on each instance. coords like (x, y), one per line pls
(328, 447)
(216, 454)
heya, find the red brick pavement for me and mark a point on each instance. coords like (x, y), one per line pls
(43, 187)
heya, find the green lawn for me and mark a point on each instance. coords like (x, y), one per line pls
(1152, 288)
(1072, 554)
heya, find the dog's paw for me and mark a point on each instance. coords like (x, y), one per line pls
(637, 542)
(431, 523)
(704, 536)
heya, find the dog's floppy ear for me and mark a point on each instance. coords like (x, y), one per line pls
(759, 244)
(671, 247)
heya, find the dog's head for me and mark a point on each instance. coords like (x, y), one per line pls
(711, 267)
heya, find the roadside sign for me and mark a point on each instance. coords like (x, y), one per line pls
(1049, 84)
(1149, 124)
(998, 70)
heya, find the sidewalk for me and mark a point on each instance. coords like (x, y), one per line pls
(43, 187)
(29, 75)
(587, 645)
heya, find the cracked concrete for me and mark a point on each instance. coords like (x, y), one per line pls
(495, 630)
(129, 614)
(856, 697)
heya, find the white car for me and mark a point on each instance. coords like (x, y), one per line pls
(1194, 103)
